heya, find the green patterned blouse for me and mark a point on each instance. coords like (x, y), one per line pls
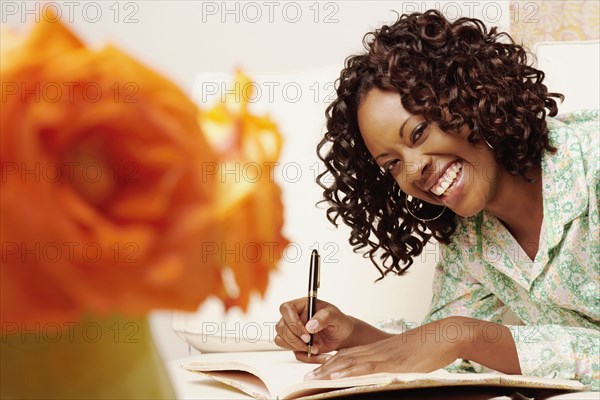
(485, 274)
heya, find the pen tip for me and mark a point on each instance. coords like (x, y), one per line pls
(314, 253)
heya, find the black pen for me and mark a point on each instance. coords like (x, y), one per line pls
(313, 285)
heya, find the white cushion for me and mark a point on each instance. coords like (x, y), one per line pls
(573, 69)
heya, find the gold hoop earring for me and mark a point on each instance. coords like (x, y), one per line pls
(421, 219)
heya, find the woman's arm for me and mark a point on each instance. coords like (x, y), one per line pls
(489, 344)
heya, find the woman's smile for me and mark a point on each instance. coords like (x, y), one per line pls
(452, 194)
(447, 181)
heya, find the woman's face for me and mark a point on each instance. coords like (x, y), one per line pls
(429, 164)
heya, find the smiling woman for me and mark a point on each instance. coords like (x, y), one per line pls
(443, 130)
(454, 78)
(425, 162)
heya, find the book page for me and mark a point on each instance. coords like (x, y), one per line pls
(242, 381)
(277, 369)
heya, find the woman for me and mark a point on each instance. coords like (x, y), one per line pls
(442, 130)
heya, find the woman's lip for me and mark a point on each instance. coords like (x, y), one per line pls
(443, 171)
(456, 190)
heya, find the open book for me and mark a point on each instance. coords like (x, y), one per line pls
(277, 374)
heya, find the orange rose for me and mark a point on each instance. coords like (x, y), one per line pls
(249, 239)
(105, 203)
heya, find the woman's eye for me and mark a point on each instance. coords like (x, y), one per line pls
(389, 166)
(418, 132)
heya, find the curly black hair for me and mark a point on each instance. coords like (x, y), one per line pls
(453, 74)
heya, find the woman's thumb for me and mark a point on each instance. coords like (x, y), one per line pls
(319, 321)
(312, 325)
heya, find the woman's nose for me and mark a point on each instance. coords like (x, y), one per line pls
(416, 167)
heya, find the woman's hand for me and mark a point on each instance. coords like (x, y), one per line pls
(331, 329)
(424, 349)
(427, 348)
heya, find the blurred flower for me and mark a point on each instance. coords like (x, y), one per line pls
(107, 201)
(251, 206)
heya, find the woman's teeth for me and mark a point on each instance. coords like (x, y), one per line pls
(447, 182)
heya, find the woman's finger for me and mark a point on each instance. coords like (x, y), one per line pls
(294, 331)
(346, 358)
(288, 336)
(357, 367)
(282, 343)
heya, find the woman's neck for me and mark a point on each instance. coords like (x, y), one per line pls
(518, 204)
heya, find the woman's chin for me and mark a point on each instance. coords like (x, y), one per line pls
(466, 212)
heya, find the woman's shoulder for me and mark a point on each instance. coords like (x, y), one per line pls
(583, 125)
(579, 116)
(573, 171)
(577, 135)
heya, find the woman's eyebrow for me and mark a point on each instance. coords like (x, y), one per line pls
(381, 155)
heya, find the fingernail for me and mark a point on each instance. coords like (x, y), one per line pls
(312, 325)
(309, 376)
(305, 337)
(314, 350)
